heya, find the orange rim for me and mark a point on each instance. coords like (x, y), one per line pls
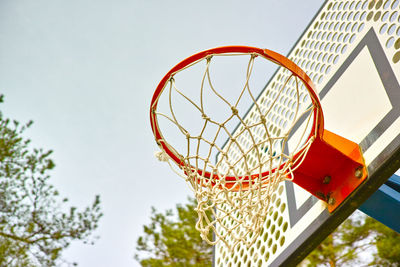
(318, 120)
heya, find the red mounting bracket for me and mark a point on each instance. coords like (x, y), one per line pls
(333, 168)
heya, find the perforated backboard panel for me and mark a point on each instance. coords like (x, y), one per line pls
(351, 50)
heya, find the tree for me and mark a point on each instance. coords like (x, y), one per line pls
(173, 241)
(35, 224)
(358, 235)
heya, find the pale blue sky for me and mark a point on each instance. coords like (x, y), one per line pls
(85, 72)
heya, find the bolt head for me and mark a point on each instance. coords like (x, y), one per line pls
(327, 179)
(359, 172)
(331, 201)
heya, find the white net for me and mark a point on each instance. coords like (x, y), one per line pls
(234, 181)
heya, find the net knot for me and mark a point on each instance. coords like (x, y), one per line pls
(234, 110)
(205, 117)
(161, 156)
(187, 135)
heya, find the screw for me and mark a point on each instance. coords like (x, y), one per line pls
(327, 179)
(331, 201)
(359, 172)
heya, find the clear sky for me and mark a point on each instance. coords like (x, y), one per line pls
(85, 72)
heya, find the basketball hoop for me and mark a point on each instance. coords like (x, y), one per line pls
(234, 193)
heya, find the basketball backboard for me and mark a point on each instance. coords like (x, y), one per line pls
(351, 51)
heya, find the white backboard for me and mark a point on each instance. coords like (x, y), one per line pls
(351, 50)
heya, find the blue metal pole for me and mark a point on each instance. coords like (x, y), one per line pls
(384, 204)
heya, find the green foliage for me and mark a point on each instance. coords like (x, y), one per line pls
(387, 244)
(172, 240)
(34, 230)
(357, 236)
